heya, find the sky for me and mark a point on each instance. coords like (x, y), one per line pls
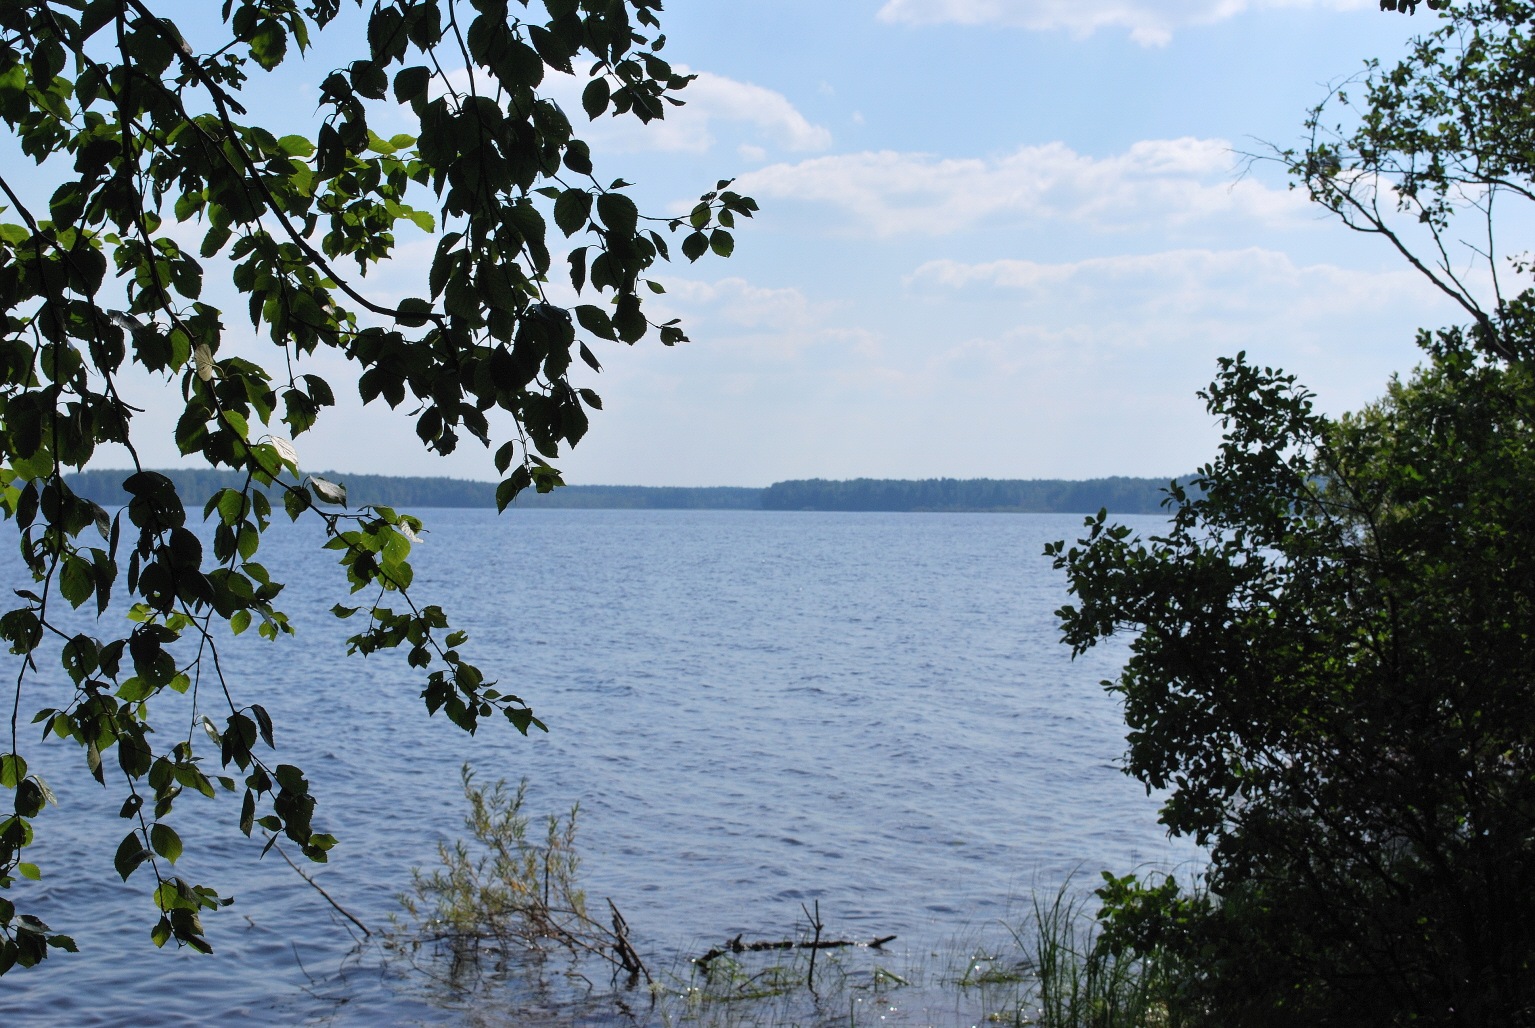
(998, 238)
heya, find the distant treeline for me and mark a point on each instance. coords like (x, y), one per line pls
(1119, 495)
(1037, 496)
(646, 497)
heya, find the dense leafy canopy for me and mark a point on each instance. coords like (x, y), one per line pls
(164, 198)
(1332, 679)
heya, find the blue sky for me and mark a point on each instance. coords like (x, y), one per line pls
(998, 238)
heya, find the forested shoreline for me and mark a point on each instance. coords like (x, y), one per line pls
(1118, 495)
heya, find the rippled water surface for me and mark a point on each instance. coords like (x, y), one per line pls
(755, 710)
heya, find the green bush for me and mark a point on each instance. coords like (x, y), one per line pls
(1332, 680)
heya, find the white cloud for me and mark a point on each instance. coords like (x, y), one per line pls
(714, 104)
(1149, 22)
(715, 98)
(1168, 292)
(1191, 305)
(741, 305)
(1163, 182)
(1213, 272)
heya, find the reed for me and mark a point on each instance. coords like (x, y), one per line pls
(1080, 983)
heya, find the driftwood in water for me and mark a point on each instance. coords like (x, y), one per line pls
(737, 946)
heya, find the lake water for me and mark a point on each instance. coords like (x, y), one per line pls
(755, 710)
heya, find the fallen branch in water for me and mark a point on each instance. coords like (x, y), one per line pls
(627, 957)
(737, 946)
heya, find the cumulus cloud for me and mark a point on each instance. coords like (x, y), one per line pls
(1163, 182)
(1162, 291)
(758, 116)
(1149, 22)
(716, 98)
(741, 305)
(1181, 308)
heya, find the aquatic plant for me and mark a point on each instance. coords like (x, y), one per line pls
(501, 893)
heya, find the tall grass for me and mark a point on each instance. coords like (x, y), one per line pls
(1082, 984)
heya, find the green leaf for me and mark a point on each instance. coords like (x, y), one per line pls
(231, 505)
(328, 491)
(165, 841)
(130, 854)
(572, 210)
(618, 213)
(135, 690)
(369, 79)
(268, 44)
(296, 146)
(30, 798)
(507, 491)
(414, 312)
(77, 580)
(411, 83)
(595, 97)
(596, 321)
(13, 768)
(264, 724)
(578, 157)
(295, 502)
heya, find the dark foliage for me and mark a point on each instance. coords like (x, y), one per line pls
(1332, 678)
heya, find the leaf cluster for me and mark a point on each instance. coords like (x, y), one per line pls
(1433, 155)
(1411, 6)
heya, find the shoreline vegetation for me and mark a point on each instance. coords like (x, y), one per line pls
(502, 925)
(1117, 495)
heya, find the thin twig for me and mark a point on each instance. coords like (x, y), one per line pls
(316, 886)
(815, 944)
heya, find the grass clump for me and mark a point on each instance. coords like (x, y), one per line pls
(1084, 979)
